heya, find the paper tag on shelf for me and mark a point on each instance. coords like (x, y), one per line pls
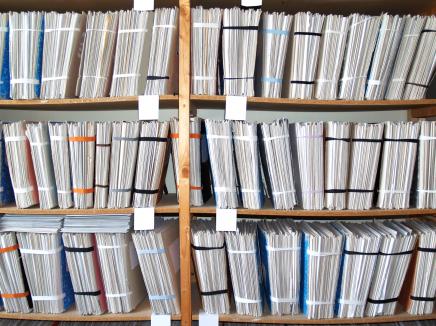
(251, 3)
(226, 219)
(143, 218)
(160, 320)
(205, 319)
(148, 107)
(236, 107)
(143, 5)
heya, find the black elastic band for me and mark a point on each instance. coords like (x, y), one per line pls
(403, 140)
(103, 145)
(158, 139)
(244, 28)
(207, 248)
(383, 301)
(94, 294)
(428, 31)
(71, 249)
(302, 82)
(237, 78)
(357, 253)
(360, 190)
(427, 249)
(308, 33)
(251, 7)
(366, 140)
(101, 186)
(146, 192)
(396, 253)
(334, 138)
(412, 297)
(157, 77)
(214, 292)
(335, 191)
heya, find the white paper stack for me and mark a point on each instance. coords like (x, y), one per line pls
(310, 150)
(81, 138)
(196, 196)
(159, 258)
(240, 29)
(132, 53)
(205, 29)
(365, 150)
(280, 242)
(102, 160)
(210, 260)
(406, 53)
(400, 145)
(361, 247)
(424, 63)
(304, 55)
(426, 181)
(222, 163)
(124, 151)
(247, 163)
(162, 76)
(25, 53)
(20, 164)
(337, 154)
(152, 163)
(274, 42)
(244, 262)
(331, 56)
(38, 136)
(390, 271)
(279, 166)
(362, 37)
(60, 155)
(98, 55)
(63, 35)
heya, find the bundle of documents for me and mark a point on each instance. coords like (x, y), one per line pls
(395, 252)
(397, 164)
(337, 153)
(280, 243)
(119, 265)
(406, 53)
(38, 136)
(424, 65)
(102, 159)
(389, 37)
(196, 196)
(239, 44)
(322, 249)
(98, 53)
(331, 56)
(6, 190)
(205, 29)
(247, 163)
(25, 54)
(362, 37)
(61, 55)
(362, 243)
(310, 142)
(132, 52)
(123, 162)
(366, 143)
(43, 259)
(81, 138)
(274, 42)
(81, 252)
(209, 255)
(13, 289)
(4, 56)
(20, 164)
(159, 258)
(277, 161)
(162, 75)
(244, 268)
(153, 155)
(426, 181)
(60, 155)
(304, 54)
(220, 145)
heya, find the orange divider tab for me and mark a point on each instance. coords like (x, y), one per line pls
(14, 295)
(83, 139)
(192, 136)
(83, 190)
(193, 187)
(8, 249)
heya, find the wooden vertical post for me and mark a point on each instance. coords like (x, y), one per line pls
(184, 180)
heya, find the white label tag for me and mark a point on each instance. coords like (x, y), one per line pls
(143, 218)
(143, 5)
(251, 3)
(236, 107)
(226, 219)
(205, 319)
(160, 320)
(148, 107)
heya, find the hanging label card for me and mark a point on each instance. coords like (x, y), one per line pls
(148, 107)
(143, 5)
(143, 218)
(236, 107)
(205, 319)
(226, 219)
(251, 3)
(160, 320)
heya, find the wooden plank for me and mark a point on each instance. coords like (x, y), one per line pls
(424, 112)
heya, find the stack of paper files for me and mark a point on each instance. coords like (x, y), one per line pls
(159, 258)
(102, 161)
(4, 56)
(61, 54)
(6, 191)
(210, 260)
(205, 29)
(43, 259)
(132, 53)
(426, 187)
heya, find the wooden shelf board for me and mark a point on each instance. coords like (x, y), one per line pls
(217, 101)
(105, 103)
(424, 112)
(167, 205)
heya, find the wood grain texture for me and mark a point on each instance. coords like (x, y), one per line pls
(424, 112)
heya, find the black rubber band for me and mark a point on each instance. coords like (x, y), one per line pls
(335, 191)
(366, 140)
(94, 294)
(251, 7)
(103, 145)
(208, 293)
(382, 301)
(416, 84)
(244, 28)
(403, 140)
(101, 186)
(341, 139)
(428, 31)
(71, 249)
(157, 139)
(308, 33)
(145, 191)
(302, 82)
(237, 78)
(426, 249)
(207, 248)
(357, 253)
(360, 190)
(412, 297)
(396, 253)
(157, 77)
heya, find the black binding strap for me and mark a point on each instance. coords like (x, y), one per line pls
(366, 140)
(360, 190)
(207, 248)
(382, 301)
(103, 145)
(412, 297)
(396, 253)
(94, 294)
(335, 191)
(71, 249)
(157, 77)
(416, 84)
(334, 138)
(158, 139)
(308, 33)
(357, 253)
(428, 31)
(302, 82)
(244, 28)
(403, 140)
(208, 293)
(145, 191)
(101, 186)
(427, 249)
(251, 7)
(237, 78)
